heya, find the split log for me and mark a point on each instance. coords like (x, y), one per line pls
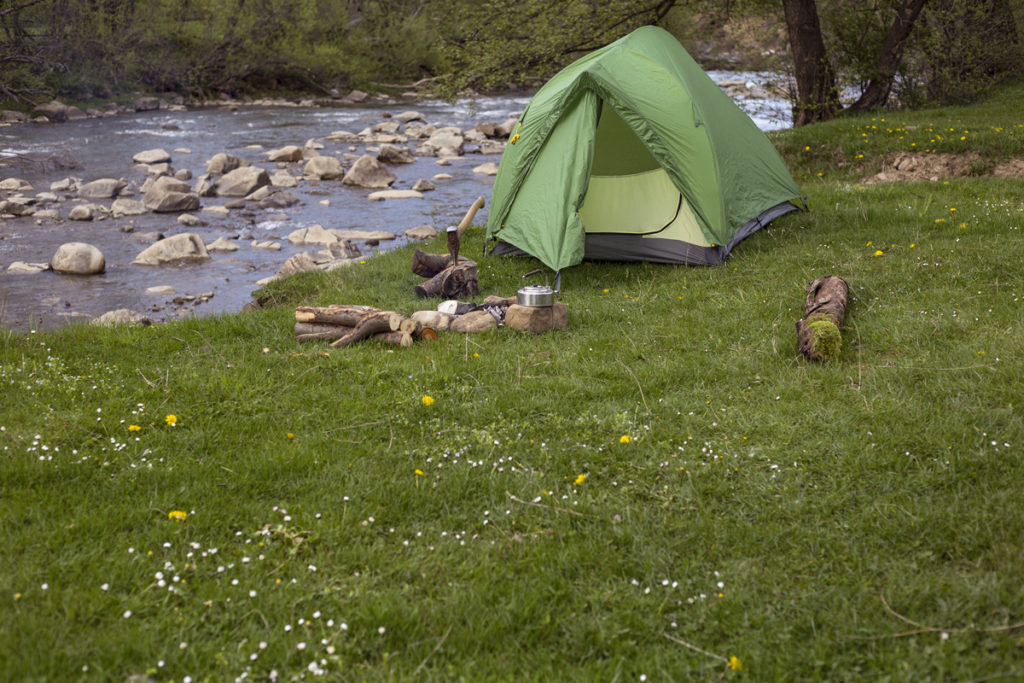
(369, 324)
(308, 332)
(454, 282)
(348, 315)
(817, 333)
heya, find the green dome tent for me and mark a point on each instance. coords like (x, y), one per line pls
(632, 153)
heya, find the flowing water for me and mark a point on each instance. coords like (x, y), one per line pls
(103, 148)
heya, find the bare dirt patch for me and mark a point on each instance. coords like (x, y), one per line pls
(910, 167)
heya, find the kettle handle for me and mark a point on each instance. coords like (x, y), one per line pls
(558, 278)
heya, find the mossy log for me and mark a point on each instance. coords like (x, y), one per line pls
(817, 333)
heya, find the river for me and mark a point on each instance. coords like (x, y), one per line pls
(103, 148)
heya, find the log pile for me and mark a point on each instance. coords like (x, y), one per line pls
(343, 325)
(817, 333)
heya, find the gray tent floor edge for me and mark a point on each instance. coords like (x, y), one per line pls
(761, 220)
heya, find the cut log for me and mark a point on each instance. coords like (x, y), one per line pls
(369, 324)
(817, 333)
(348, 315)
(429, 265)
(455, 282)
(331, 332)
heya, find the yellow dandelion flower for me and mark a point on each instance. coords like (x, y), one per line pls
(735, 664)
(177, 515)
(134, 428)
(878, 252)
(171, 420)
(807, 148)
(940, 220)
(625, 438)
(868, 244)
(428, 400)
(606, 290)
(418, 472)
(289, 435)
(579, 479)
(476, 355)
(912, 245)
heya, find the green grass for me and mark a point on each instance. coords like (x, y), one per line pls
(804, 518)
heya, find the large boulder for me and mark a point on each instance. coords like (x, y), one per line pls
(15, 185)
(224, 163)
(336, 255)
(323, 168)
(78, 258)
(390, 154)
(241, 182)
(447, 141)
(183, 247)
(56, 112)
(104, 188)
(146, 104)
(368, 172)
(168, 195)
(407, 116)
(152, 156)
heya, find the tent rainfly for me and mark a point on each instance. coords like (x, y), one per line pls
(632, 153)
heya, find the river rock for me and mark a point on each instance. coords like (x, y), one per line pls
(23, 268)
(315, 234)
(323, 168)
(183, 247)
(160, 289)
(368, 172)
(408, 116)
(421, 232)
(222, 244)
(342, 136)
(474, 321)
(63, 185)
(423, 185)
(283, 179)
(491, 147)
(127, 207)
(49, 214)
(221, 211)
(420, 131)
(11, 116)
(54, 111)
(152, 156)
(182, 174)
(168, 195)
(381, 195)
(364, 235)
(78, 258)
(268, 245)
(446, 141)
(241, 182)
(146, 104)
(15, 185)
(16, 207)
(537, 319)
(81, 212)
(337, 255)
(389, 127)
(104, 188)
(390, 154)
(224, 163)
(490, 168)
(191, 220)
(121, 316)
(277, 200)
(288, 154)
(505, 129)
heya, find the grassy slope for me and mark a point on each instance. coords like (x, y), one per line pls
(761, 507)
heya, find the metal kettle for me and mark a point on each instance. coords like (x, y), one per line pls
(536, 295)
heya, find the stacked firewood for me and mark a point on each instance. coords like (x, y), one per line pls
(343, 325)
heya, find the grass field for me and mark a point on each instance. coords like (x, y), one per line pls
(666, 490)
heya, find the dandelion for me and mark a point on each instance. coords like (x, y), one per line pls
(134, 428)
(428, 400)
(418, 472)
(476, 355)
(625, 438)
(735, 664)
(171, 420)
(579, 479)
(878, 252)
(940, 220)
(177, 515)
(289, 435)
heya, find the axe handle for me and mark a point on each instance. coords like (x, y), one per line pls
(464, 225)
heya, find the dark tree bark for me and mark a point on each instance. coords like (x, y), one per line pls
(877, 92)
(817, 98)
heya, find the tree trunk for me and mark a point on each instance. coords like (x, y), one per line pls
(817, 99)
(877, 92)
(429, 265)
(817, 333)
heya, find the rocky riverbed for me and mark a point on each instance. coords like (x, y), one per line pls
(169, 211)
